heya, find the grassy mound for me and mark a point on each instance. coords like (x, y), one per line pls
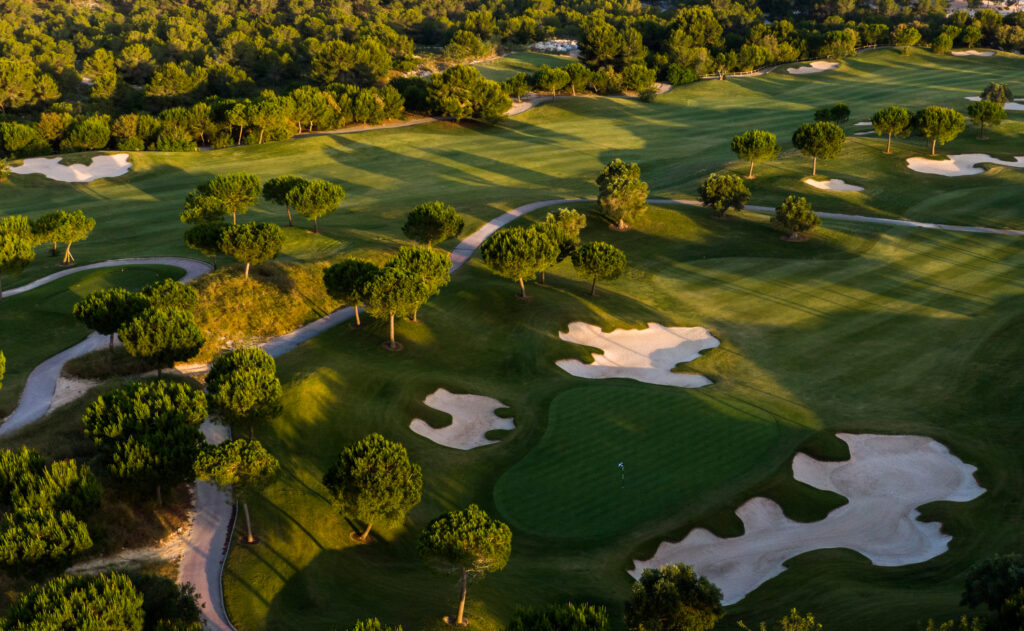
(276, 299)
(676, 447)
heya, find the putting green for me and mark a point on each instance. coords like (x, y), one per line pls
(676, 448)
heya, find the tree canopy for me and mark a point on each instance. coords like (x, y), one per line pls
(276, 190)
(392, 292)
(107, 310)
(992, 581)
(838, 113)
(102, 602)
(984, 113)
(518, 253)
(241, 464)
(16, 245)
(892, 121)
(623, 195)
(242, 386)
(347, 280)
(997, 93)
(168, 292)
(564, 230)
(433, 222)
(794, 215)
(599, 261)
(939, 124)
(822, 139)
(468, 542)
(148, 432)
(162, 336)
(72, 226)
(722, 191)
(428, 265)
(673, 598)
(205, 237)
(560, 617)
(251, 243)
(756, 145)
(232, 193)
(374, 481)
(314, 199)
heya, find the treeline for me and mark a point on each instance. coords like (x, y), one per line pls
(147, 75)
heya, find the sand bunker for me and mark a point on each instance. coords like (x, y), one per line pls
(962, 164)
(100, 167)
(972, 53)
(1009, 107)
(70, 389)
(885, 479)
(647, 355)
(863, 124)
(863, 133)
(833, 185)
(816, 66)
(472, 417)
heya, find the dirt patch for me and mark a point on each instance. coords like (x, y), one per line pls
(70, 389)
(886, 479)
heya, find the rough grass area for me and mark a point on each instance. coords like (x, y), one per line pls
(675, 446)
(106, 363)
(276, 298)
(38, 324)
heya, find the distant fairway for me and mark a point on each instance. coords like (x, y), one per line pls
(678, 447)
(504, 67)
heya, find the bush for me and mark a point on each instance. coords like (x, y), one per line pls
(88, 134)
(678, 75)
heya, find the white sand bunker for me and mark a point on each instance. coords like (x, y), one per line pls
(833, 185)
(863, 133)
(885, 479)
(863, 124)
(472, 417)
(816, 66)
(647, 355)
(961, 164)
(1009, 107)
(972, 53)
(100, 167)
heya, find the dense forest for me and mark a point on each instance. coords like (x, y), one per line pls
(173, 76)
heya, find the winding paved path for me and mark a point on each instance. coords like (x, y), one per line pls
(203, 561)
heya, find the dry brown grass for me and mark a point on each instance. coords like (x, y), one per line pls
(277, 298)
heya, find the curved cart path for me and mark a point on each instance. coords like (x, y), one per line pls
(42, 381)
(203, 561)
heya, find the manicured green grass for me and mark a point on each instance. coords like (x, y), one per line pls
(863, 328)
(505, 67)
(556, 151)
(851, 331)
(38, 324)
(675, 446)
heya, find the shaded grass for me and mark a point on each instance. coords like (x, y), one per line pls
(38, 324)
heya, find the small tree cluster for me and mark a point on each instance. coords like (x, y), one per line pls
(45, 506)
(162, 336)
(462, 92)
(433, 222)
(673, 598)
(398, 288)
(722, 192)
(939, 124)
(794, 216)
(148, 433)
(838, 114)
